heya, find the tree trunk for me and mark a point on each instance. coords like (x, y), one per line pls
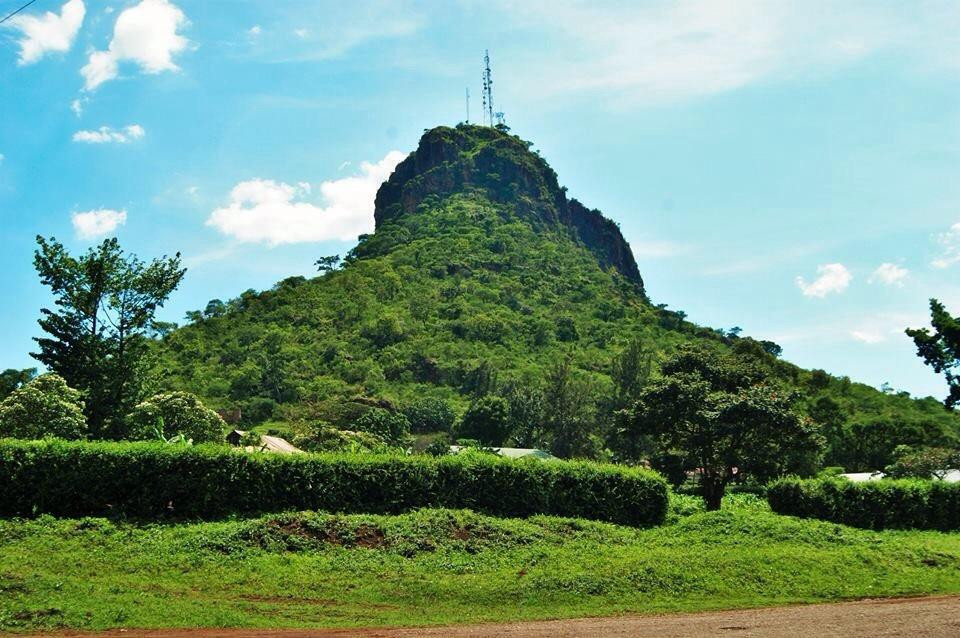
(712, 489)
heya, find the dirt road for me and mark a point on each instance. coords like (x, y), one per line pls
(931, 617)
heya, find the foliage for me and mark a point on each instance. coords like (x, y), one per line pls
(96, 337)
(924, 463)
(156, 481)
(322, 437)
(43, 407)
(887, 503)
(941, 349)
(11, 379)
(179, 413)
(391, 427)
(568, 405)
(487, 420)
(717, 413)
(429, 414)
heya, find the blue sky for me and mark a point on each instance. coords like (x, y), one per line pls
(789, 168)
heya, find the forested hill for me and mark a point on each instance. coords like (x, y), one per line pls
(484, 278)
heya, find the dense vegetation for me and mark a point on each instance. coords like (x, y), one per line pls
(161, 481)
(918, 504)
(441, 566)
(480, 280)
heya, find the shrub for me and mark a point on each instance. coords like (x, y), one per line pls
(487, 420)
(177, 413)
(323, 437)
(149, 480)
(392, 427)
(429, 415)
(44, 407)
(880, 504)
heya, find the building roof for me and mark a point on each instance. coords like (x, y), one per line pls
(952, 476)
(267, 443)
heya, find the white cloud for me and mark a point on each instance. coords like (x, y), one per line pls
(654, 52)
(145, 34)
(889, 274)
(868, 336)
(832, 278)
(255, 30)
(96, 223)
(48, 32)
(950, 244)
(77, 106)
(267, 211)
(300, 33)
(107, 135)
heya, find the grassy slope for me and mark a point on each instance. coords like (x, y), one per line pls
(437, 566)
(434, 294)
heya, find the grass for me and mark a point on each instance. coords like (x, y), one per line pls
(442, 566)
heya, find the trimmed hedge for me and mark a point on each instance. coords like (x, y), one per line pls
(149, 480)
(894, 504)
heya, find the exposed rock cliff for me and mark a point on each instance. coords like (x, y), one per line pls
(450, 160)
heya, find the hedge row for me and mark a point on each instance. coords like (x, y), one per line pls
(149, 480)
(873, 504)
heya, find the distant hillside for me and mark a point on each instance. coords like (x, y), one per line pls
(481, 267)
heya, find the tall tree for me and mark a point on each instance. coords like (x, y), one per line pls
(11, 379)
(568, 406)
(941, 349)
(719, 416)
(97, 334)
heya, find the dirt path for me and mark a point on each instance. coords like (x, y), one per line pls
(931, 617)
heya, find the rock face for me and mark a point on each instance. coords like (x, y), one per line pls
(470, 158)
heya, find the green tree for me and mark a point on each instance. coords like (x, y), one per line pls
(11, 379)
(97, 335)
(569, 407)
(719, 415)
(525, 403)
(177, 413)
(630, 372)
(924, 463)
(44, 407)
(487, 420)
(941, 349)
(327, 263)
(429, 415)
(391, 427)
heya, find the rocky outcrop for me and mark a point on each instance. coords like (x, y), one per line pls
(451, 160)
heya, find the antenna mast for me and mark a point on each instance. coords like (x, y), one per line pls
(487, 89)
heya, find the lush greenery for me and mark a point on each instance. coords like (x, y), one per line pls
(718, 416)
(155, 481)
(43, 407)
(442, 566)
(888, 503)
(473, 294)
(97, 334)
(175, 413)
(12, 378)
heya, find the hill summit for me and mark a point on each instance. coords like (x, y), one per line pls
(504, 169)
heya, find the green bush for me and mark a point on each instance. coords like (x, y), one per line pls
(44, 407)
(148, 480)
(487, 420)
(178, 413)
(392, 427)
(880, 504)
(428, 415)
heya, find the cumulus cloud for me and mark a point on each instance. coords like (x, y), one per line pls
(254, 31)
(97, 223)
(49, 32)
(107, 135)
(889, 274)
(832, 278)
(145, 34)
(262, 210)
(950, 246)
